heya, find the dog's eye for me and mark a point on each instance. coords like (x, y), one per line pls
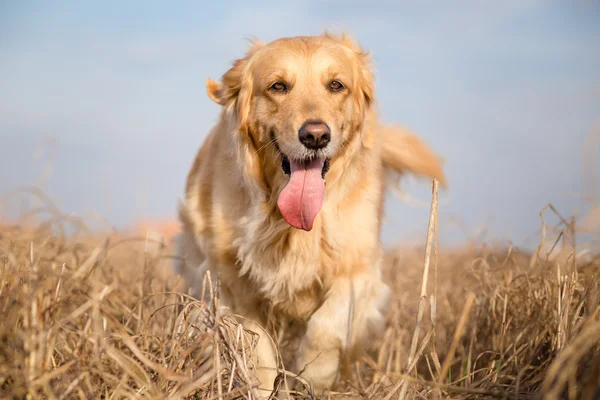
(278, 87)
(336, 86)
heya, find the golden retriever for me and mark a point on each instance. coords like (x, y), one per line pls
(284, 202)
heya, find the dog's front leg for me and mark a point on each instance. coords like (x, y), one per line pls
(265, 352)
(351, 312)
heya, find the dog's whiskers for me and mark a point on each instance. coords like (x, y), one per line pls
(277, 156)
(265, 145)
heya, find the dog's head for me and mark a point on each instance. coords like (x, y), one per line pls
(298, 102)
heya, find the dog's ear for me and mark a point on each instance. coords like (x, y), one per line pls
(214, 89)
(225, 92)
(365, 85)
(364, 94)
(235, 89)
(234, 94)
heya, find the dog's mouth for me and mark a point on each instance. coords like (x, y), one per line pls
(286, 167)
(302, 197)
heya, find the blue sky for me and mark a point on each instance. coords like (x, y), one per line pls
(111, 94)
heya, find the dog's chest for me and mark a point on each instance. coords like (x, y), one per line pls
(290, 269)
(295, 283)
(291, 272)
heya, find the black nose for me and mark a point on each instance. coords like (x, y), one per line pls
(314, 135)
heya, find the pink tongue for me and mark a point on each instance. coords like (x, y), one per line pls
(302, 198)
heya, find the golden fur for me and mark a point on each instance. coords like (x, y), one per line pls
(321, 288)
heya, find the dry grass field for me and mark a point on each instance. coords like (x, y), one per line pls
(99, 317)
